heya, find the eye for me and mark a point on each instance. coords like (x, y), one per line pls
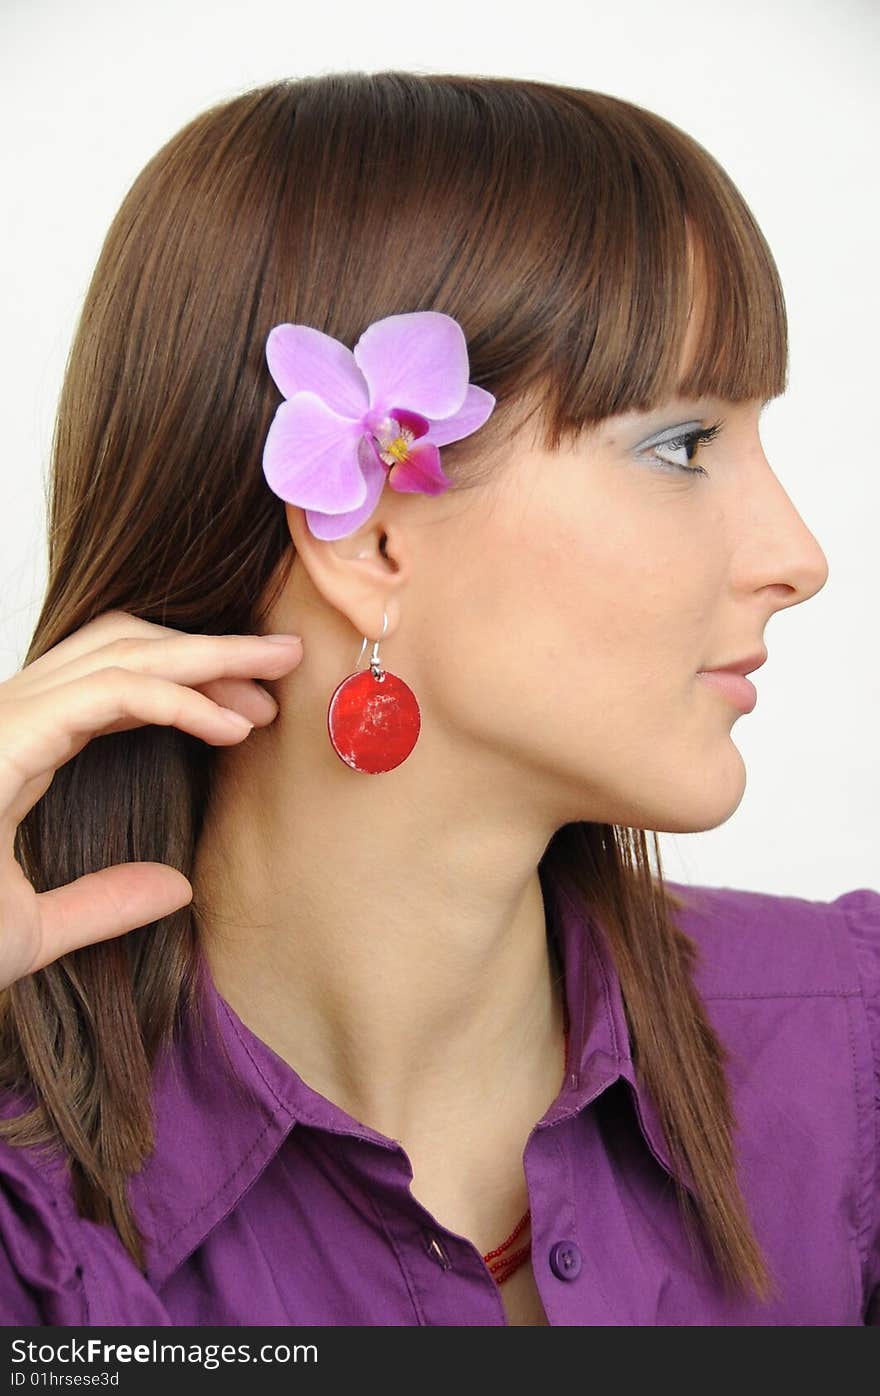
(688, 442)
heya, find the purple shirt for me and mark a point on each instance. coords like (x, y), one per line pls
(265, 1203)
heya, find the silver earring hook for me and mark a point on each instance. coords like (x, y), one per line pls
(375, 664)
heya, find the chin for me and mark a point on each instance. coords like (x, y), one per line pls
(685, 793)
(699, 824)
(709, 802)
(702, 798)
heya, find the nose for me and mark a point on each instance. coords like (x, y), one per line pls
(807, 571)
(791, 557)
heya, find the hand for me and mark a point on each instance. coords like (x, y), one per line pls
(115, 673)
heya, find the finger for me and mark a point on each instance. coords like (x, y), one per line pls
(110, 625)
(244, 696)
(184, 658)
(104, 904)
(47, 728)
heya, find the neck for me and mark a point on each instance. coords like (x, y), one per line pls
(388, 941)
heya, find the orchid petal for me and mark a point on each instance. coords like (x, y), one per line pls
(331, 526)
(419, 359)
(413, 421)
(477, 408)
(310, 456)
(302, 359)
(421, 472)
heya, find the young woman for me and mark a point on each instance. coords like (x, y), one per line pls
(406, 1027)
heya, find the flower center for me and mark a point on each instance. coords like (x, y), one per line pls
(393, 441)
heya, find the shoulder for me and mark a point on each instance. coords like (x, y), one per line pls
(793, 988)
(860, 911)
(770, 943)
(58, 1267)
(40, 1274)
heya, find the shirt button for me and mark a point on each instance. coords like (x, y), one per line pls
(565, 1260)
(436, 1251)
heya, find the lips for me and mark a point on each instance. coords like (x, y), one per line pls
(740, 666)
(735, 687)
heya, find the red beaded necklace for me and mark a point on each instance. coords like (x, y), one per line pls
(502, 1266)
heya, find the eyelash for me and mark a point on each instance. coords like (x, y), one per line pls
(699, 437)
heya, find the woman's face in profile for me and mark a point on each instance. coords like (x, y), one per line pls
(564, 612)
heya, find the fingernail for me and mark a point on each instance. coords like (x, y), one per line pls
(243, 723)
(284, 639)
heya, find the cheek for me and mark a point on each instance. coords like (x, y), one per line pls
(621, 602)
(654, 570)
(565, 655)
(541, 613)
(565, 623)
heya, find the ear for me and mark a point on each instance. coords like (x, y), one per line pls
(360, 575)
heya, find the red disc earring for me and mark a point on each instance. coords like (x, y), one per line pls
(373, 718)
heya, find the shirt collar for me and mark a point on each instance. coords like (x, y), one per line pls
(217, 1129)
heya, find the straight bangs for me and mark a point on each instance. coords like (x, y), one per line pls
(599, 232)
(665, 242)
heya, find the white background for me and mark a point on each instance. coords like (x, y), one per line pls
(782, 92)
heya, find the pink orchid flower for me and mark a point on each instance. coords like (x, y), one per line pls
(353, 418)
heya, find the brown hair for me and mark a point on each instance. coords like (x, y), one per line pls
(559, 227)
